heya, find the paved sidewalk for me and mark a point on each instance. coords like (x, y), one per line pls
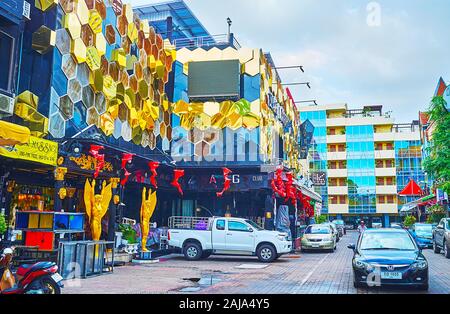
(312, 273)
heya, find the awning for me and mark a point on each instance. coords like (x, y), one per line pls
(12, 134)
(313, 195)
(411, 189)
(409, 206)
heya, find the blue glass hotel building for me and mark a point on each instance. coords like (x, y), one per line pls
(366, 158)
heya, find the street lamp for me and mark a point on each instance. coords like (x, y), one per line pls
(229, 22)
(306, 101)
(291, 67)
(296, 83)
(200, 207)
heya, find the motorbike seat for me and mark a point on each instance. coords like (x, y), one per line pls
(23, 269)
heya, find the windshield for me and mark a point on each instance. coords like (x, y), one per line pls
(386, 241)
(423, 230)
(338, 222)
(317, 230)
(254, 225)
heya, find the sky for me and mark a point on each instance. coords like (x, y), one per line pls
(359, 52)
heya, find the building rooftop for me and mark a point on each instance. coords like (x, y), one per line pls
(185, 23)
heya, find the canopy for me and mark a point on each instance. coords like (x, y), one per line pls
(409, 206)
(411, 189)
(12, 134)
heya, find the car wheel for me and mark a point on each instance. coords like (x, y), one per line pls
(446, 250)
(192, 251)
(266, 253)
(436, 249)
(357, 285)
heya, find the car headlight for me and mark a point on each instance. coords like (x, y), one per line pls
(419, 265)
(283, 238)
(363, 265)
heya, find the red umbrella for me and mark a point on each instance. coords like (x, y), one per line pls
(411, 189)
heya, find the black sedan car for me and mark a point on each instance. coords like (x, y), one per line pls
(385, 257)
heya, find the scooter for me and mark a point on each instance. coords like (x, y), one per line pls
(38, 278)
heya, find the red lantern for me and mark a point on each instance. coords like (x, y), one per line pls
(177, 174)
(153, 166)
(226, 183)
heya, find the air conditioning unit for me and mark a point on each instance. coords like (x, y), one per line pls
(26, 10)
(6, 106)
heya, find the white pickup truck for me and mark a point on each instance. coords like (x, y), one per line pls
(199, 237)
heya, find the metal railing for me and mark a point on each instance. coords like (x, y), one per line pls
(207, 41)
(182, 222)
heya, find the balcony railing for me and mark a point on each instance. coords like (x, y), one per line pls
(207, 41)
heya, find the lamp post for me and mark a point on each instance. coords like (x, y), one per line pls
(200, 207)
(306, 101)
(229, 22)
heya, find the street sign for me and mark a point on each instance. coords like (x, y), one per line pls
(319, 178)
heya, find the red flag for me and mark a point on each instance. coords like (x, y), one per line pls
(177, 174)
(227, 181)
(153, 166)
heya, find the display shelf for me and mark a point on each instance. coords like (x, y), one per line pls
(41, 227)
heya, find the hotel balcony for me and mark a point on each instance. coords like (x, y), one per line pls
(336, 122)
(337, 208)
(386, 189)
(336, 155)
(337, 173)
(385, 154)
(337, 190)
(336, 139)
(385, 172)
(387, 208)
(384, 137)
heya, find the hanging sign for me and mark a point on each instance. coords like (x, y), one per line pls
(37, 150)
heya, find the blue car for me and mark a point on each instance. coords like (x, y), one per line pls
(423, 234)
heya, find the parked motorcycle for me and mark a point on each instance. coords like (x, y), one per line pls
(38, 278)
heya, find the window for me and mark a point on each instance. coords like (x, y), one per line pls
(381, 199)
(342, 199)
(220, 224)
(6, 53)
(237, 226)
(389, 181)
(390, 199)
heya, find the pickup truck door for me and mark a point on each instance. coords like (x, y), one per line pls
(219, 235)
(239, 237)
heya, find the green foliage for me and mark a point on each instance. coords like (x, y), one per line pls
(409, 221)
(128, 233)
(3, 226)
(438, 163)
(437, 212)
(321, 219)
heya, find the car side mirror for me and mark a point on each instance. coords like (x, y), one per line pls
(352, 246)
(439, 227)
(249, 229)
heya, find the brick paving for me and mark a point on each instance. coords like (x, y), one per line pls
(312, 273)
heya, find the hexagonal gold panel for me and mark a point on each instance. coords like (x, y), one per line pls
(43, 39)
(95, 21)
(72, 24)
(92, 58)
(82, 12)
(100, 43)
(44, 5)
(78, 50)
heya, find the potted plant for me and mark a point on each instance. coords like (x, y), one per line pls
(409, 221)
(129, 238)
(436, 213)
(3, 226)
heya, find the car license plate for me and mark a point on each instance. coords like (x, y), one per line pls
(391, 275)
(57, 277)
(315, 245)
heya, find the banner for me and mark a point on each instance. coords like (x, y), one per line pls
(37, 150)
